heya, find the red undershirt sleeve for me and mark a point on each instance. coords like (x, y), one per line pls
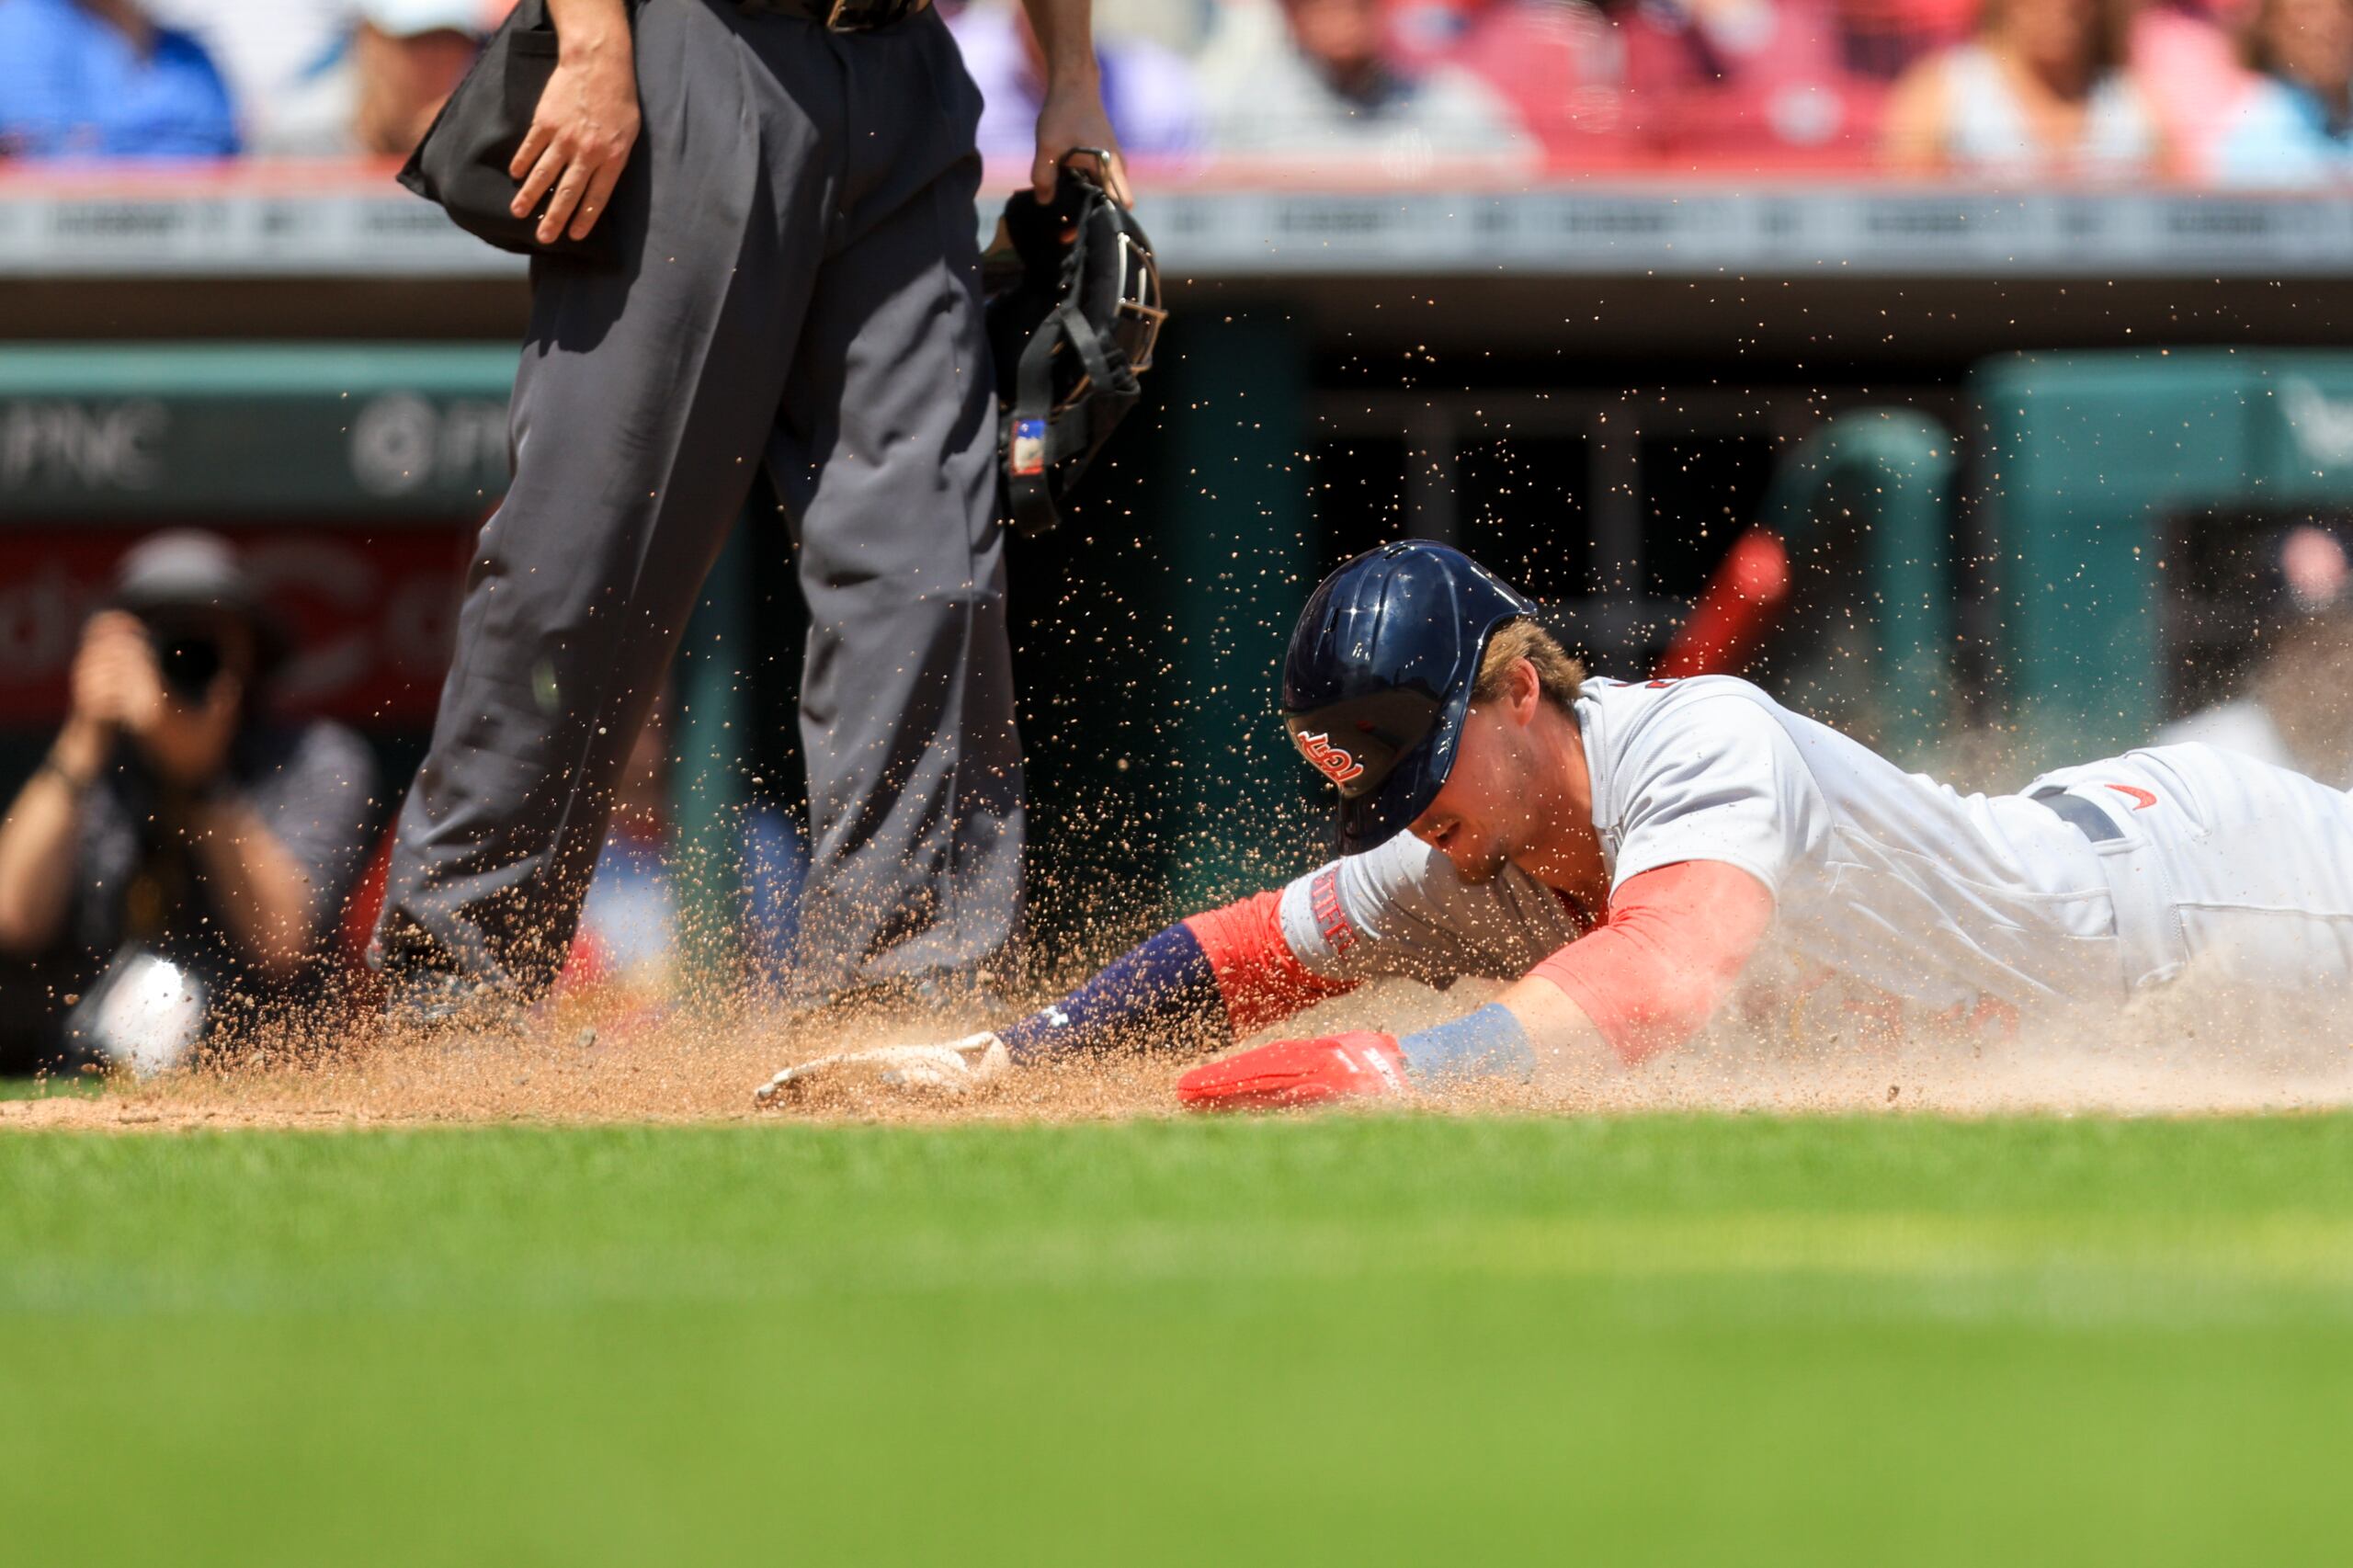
(1259, 978)
(1676, 941)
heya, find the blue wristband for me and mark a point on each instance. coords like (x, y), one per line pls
(1488, 1043)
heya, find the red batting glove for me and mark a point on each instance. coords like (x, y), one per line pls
(1298, 1071)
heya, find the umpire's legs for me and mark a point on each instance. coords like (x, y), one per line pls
(884, 455)
(645, 400)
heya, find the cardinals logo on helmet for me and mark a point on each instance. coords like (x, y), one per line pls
(1337, 764)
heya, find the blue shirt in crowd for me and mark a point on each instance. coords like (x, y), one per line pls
(2283, 136)
(70, 85)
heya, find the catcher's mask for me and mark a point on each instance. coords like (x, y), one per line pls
(1380, 674)
(1074, 312)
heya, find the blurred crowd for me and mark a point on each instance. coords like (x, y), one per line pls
(218, 78)
(2256, 93)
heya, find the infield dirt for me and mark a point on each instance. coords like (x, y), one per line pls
(2188, 1050)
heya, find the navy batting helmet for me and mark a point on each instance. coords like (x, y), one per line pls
(1379, 674)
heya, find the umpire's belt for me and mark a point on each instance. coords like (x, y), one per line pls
(2079, 814)
(840, 16)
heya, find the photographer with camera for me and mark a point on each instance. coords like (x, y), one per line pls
(176, 857)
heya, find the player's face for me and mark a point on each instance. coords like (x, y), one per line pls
(1487, 814)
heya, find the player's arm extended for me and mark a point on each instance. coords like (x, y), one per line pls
(1677, 940)
(1198, 986)
(1201, 983)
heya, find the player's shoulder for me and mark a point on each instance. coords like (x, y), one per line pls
(1693, 710)
(1669, 746)
(1673, 689)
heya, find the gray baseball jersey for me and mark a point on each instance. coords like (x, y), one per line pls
(1887, 876)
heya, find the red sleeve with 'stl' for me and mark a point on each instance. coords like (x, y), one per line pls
(1677, 940)
(1260, 979)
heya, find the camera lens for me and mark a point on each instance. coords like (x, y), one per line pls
(188, 664)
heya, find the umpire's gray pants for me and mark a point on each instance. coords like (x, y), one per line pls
(800, 290)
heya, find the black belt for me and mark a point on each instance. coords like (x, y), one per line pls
(839, 15)
(2079, 814)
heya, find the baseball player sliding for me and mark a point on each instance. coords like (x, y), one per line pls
(1624, 853)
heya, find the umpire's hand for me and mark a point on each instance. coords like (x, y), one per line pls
(1070, 117)
(586, 121)
(1072, 122)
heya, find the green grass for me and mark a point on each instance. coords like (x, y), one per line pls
(1316, 1341)
(77, 1085)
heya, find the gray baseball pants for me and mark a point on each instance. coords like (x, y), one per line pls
(799, 291)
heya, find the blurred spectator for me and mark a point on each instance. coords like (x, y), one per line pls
(171, 820)
(1747, 78)
(265, 49)
(333, 78)
(1178, 25)
(1779, 82)
(1326, 84)
(402, 61)
(2293, 712)
(1883, 38)
(2041, 92)
(1147, 90)
(2294, 126)
(1560, 65)
(99, 78)
(2190, 76)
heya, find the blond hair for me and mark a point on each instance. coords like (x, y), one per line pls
(1560, 677)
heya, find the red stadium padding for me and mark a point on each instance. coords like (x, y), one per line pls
(1727, 626)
